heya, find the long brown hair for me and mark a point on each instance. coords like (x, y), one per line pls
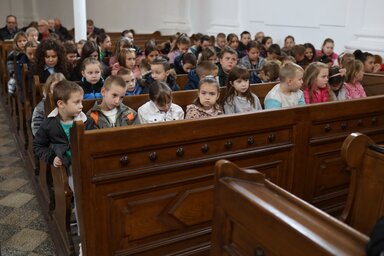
(309, 78)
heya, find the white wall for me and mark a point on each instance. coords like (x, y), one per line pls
(351, 23)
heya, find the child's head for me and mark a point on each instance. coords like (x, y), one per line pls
(51, 54)
(345, 58)
(253, 50)
(188, 62)
(245, 37)
(160, 69)
(151, 52)
(289, 42)
(316, 76)
(298, 52)
(51, 82)
(208, 93)
(128, 77)
(286, 59)
(221, 40)
(327, 47)
(68, 98)
(233, 41)
(71, 53)
(238, 81)
(205, 42)
(336, 79)
(291, 75)
(270, 71)
(182, 43)
(122, 43)
(367, 58)
(30, 51)
(310, 51)
(90, 49)
(355, 71)
(267, 42)
(91, 70)
(104, 41)
(161, 95)
(259, 36)
(79, 46)
(206, 68)
(195, 38)
(208, 54)
(113, 92)
(274, 52)
(325, 59)
(127, 58)
(19, 41)
(32, 34)
(228, 59)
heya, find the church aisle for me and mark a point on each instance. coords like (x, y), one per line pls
(23, 229)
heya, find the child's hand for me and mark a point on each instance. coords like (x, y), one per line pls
(343, 71)
(376, 68)
(57, 162)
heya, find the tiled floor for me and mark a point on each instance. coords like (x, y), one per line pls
(23, 230)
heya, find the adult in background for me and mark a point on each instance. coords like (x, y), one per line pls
(10, 29)
(43, 28)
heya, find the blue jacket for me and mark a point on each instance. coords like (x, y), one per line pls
(148, 80)
(193, 80)
(92, 91)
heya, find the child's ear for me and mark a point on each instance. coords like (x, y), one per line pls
(82, 72)
(60, 103)
(167, 72)
(103, 91)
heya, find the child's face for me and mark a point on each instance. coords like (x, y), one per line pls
(328, 48)
(92, 73)
(228, 61)
(263, 76)
(159, 73)
(253, 54)
(71, 57)
(107, 44)
(183, 48)
(234, 43)
(94, 55)
(322, 78)
(308, 53)
(130, 82)
(360, 75)
(187, 67)
(213, 59)
(259, 36)
(113, 97)
(294, 84)
(221, 42)
(72, 107)
(336, 87)
(208, 95)
(164, 108)
(241, 86)
(130, 60)
(31, 54)
(268, 43)
(289, 43)
(51, 58)
(299, 57)
(205, 44)
(33, 36)
(21, 42)
(151, 56)
(369, 64)
(245, 39)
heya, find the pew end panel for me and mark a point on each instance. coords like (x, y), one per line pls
(253, 216)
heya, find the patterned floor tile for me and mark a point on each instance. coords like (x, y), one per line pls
(7, 231)
(12, 184)
(12, 252)
(26, 240)
(46, 247)
(16, 199)
(19, 217)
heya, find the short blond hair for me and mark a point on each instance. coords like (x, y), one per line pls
(289, 70)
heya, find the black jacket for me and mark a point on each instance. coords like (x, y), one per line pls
(5, 34)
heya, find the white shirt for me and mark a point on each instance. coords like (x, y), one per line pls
(149, 113)
(111, 115)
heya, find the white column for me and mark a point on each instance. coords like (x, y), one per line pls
(224, 16)
(80, 19)
(175, 16)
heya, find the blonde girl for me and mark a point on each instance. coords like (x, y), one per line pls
(92, 80)
(315, 83)
(353, 78)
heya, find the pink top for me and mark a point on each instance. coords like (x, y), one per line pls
(319, 95)
(116, 67)
(354, 91)
(334, 55)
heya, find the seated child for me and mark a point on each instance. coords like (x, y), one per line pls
(205, 105)
(336, 82)
(38, 112)
(298, 52)
(184, 63)
(253, 61)
(227, 59)
(204, 69)
(133, 88)
(315, 83)
(353, 78)
(92, 81)
(160, 107)
(270, 71)
(238, 96)
(112, 112)
(287, 93)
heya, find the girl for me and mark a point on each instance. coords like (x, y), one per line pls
(208, 54)
(368, 60)
(238, 97)
(151, 52)
(205, 105)
(327, 49)
(105, 44)
(315, 83)
(38, 112)
(13, 57)
(259, 36)
(92, 81)
(122, 43)
(336, 82)
(353, 77)
(127, 59)
(310, 52)
(160, 107)
(181, 46)
(90, 49)
(233, 42)
(345, 58)
(266, 43)
(50, 58)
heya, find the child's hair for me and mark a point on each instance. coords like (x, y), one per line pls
(220, 35)
(53, 78)
(345, 58)
(253, 45)
(309, 45)
(362, 56)
(335, 77)
(289, 70)
(207, 53)
(189, 58)
(227, 49)
(298, 50)
(206, 68)
(310, 75)
(272, 69)
(101, 38)
(70, 47)
(17, 36)
(160, 93)
(61, 58)
(231, 36)
(123, 55)
(265, 40)
(274, 48)
(91, 60)
(327, 40)
(159, 60)
(352, 68)
(238, 72)
(207, 80)
(63, 90)
(378, 59)
(116, 80)
(286, 59)
(324, 59)
(289, 37)
(123, 42)
(150, 46)
(165, 48)
(124, 71)
(181, 39)
(31, 44)
(31, 30)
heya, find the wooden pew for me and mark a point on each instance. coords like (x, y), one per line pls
(253, 216)
(152, 190)
(365, 203)
(373, 83)
(182, 80)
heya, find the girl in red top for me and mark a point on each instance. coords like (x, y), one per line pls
(315, 83)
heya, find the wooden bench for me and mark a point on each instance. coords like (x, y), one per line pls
(152, 190)
(373, 83)
(365, 204)
(253, 216)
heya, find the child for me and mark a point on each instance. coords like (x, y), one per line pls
(38, 112)
(368, 60)
(327, 49)
(227, 59)
(133, 88)
(19, 42)
(90, 49)
(287, 93)
(353, 78)
(205, 105)
(274, 52)
(160, 107)
(266, 43)
(233, 42)
(221, 42)
(238, 97)
(50, 58)
(184, 63)
(298, 52)
(345, 58)
(315, 83)
(289, 42)
(32, 34)
(270, 72)
(127, 59)
(336, 82)
(112, 112)
(204, 69)
(310, 52)
(104, 42)
(182, 46)
(92, 81)
(151, 52)
(122, 43)
(259, 37)
(79, 46)
(245, 38)
(208, 54)
(253, 60)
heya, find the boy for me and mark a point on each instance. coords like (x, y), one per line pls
(133, 88)
(160, 72)
(270, 71)
(287, 93)
(112, 112)
(245, 38)
(221, 42)
(51, 143)
(227, 59)
(298, 52)
(184, 63)
(253, 61)
(204, 69)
